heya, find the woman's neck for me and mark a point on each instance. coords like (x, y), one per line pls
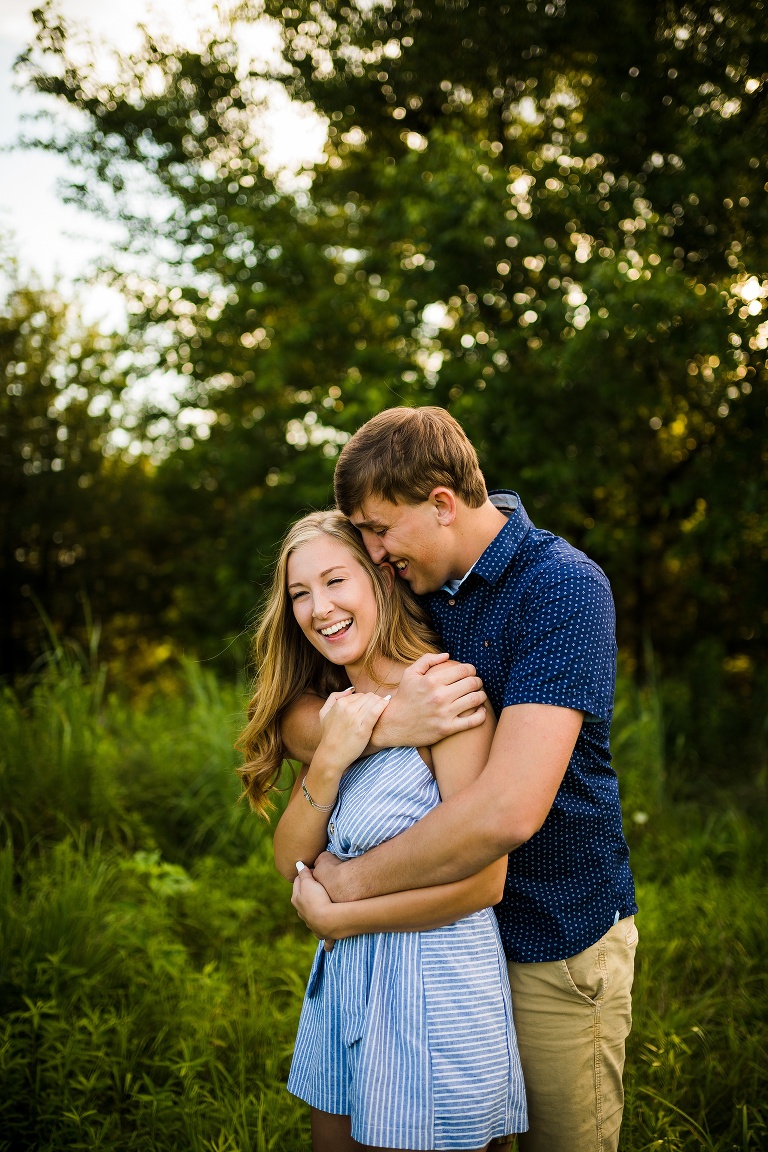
(383, 674)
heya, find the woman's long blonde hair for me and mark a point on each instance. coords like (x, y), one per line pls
(287, 665)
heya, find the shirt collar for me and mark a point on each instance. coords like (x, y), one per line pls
(499, 554)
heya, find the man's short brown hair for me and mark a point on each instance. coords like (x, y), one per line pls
(402, 454)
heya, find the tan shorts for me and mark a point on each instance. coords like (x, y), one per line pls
(572, 1019)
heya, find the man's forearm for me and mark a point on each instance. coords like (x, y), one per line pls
(501, 810)
(420, 910)
(454, 840)
(437, 698)
(301, 732)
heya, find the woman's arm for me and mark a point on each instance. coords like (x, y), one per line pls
(414, 911)
(300, 727)
(347, 720)
(458, 760)
(302, 831)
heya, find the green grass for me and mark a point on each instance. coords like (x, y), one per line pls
(151, 967)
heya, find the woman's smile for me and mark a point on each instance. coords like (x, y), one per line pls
(331, 630)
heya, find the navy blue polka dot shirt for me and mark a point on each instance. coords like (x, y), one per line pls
(536, 618)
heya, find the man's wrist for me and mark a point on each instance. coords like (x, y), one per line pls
(346, 883)
(387, 733)
(337, 878)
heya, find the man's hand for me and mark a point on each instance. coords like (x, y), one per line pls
(437, 697)
(329, 873)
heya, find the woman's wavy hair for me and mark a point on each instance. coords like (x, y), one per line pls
(287, 665)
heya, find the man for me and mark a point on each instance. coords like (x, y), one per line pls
(535, 617)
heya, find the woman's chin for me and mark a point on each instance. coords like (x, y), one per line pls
(333, 658)
(341, 654)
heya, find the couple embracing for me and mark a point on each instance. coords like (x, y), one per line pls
(433, 1020)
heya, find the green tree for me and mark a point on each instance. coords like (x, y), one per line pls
(76, 519)
(550, 219)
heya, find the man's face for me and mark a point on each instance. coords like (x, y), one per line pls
(410, 537)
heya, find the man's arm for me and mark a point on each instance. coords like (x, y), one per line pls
(416, 911)
(502, 809)
(436, 698)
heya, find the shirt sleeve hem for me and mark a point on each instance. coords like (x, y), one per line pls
(594, 711)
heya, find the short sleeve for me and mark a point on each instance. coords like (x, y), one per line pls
(566, 650)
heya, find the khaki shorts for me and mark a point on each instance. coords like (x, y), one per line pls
(572, 1019)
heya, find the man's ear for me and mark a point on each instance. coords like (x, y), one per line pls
(388, 573)
(443, 500)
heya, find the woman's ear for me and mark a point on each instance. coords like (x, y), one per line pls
(388, 574)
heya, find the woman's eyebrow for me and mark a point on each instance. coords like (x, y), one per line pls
(325, 572)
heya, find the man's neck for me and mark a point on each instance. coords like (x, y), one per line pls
(476, 528)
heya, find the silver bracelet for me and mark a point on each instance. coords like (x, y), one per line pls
(320, 807)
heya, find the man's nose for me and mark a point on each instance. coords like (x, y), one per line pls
(374, 547)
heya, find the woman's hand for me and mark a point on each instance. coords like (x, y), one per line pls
(346, 721)
(314, 906)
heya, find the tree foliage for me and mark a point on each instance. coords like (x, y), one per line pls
(549, 218)
(84, 525)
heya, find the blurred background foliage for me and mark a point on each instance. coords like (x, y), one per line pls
(152, 967)
(549, 218)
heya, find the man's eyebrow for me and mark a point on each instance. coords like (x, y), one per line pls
(333, 568)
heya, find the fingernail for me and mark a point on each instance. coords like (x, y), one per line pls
(388, 697)
(299, 866)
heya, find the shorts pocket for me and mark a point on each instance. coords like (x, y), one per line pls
(584, 974)
(632, 935)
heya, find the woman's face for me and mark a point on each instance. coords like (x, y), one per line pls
(333, 599)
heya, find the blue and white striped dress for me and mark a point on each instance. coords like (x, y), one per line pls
(409, 1033)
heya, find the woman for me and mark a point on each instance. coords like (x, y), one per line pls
(406, 1037)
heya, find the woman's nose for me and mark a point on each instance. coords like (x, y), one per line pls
(322, 605)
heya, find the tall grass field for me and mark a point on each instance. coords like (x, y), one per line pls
(152, 968)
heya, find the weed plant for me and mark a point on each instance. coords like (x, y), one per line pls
(152, 969)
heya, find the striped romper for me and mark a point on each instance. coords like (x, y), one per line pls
(409, 1033)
